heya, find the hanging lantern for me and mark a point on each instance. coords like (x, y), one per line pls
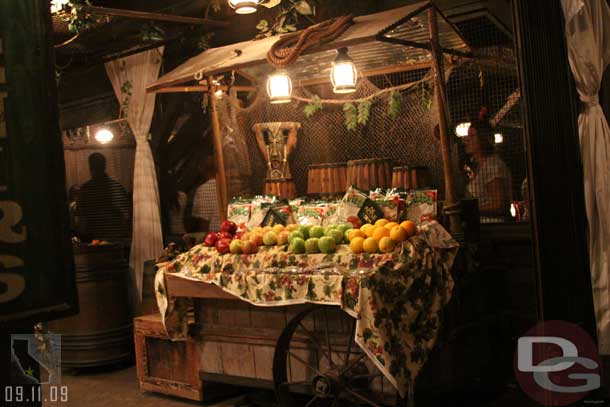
(279, 87)
(343, 74)
(245, 6)
(104, 136)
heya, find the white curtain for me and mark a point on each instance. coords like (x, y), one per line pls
(132, 74)
(588, 39)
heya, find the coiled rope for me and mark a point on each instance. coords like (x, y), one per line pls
(288, 49)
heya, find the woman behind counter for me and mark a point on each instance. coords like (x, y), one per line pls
(491, 181)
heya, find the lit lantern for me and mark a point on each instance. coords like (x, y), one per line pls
(104, 136)
(245, 6)
(499, 138)
(343, 74)
(279, 87)
(462, 129)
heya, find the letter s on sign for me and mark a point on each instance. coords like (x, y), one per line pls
(15, 284)
(11, 216)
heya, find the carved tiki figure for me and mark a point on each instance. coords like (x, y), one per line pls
(277, 141)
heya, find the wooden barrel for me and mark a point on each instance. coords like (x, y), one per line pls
(370, 173)
(281, 187)
(410, 177)
(149, 300)
(327, 179)
(101, 334)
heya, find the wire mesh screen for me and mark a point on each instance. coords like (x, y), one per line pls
(408, 138)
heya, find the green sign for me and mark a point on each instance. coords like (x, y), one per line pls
(36, 265)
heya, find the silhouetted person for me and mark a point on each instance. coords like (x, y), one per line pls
(103, 205)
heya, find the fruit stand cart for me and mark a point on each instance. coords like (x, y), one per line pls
(316, 320)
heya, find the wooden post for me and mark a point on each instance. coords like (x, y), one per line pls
(451, 205)
(221, 177)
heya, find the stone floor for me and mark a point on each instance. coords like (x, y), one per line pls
(119, 387)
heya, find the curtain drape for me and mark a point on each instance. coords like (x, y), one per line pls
(588, 39)
(129, 77)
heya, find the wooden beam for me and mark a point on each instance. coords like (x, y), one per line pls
(144, 15)
(451, 204)
(386, 70)
(221, 177)
(204, 88)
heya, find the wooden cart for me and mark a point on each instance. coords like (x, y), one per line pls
(305, 353)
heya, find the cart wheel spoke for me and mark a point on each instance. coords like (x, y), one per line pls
(312, 402)
(307, 365)
(362, 398)
(330, 351)
(317, 344)
(352, 333)
(296, 387)
(354, 363)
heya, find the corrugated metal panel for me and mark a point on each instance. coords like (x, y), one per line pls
(361, 38)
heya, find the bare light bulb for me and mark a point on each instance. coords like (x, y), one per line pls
(104, 136)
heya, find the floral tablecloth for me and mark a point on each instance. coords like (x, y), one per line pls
(396, 297)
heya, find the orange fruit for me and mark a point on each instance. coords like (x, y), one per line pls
(410, 227)
(356, 245)
(278, 228)
(381, 232)
(354, 233)
(371, 245)
(392, 225)
(399, 234)
(366, 227)
(292, 227)
(386, 245)
(382, 222)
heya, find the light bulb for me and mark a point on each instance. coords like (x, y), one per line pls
(462, 129)
(58, 5)
(279, 87)
(104, 136)
(499, 138)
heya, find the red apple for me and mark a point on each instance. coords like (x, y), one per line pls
(257, 238)
(239, 234)
(223, 246)
(354, 220)
(228, 226)
(225, 235)
(210, 239)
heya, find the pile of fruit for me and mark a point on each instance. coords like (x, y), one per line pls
(383, 237)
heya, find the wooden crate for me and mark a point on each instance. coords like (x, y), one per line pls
(165, 366)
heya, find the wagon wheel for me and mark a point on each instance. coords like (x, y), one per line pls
(313, 366)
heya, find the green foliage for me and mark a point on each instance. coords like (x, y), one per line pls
(394, 104)
(351, 116)
(80, 18)
(426, 93)
(364, 112)
(151, 32)
(313, 107)
(290, 14)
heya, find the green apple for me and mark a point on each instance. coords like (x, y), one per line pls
(297, 246)
(336, 234)
(294, 235)
(316, 231)
(311, 245)
(304, 229)
(327, 244)
(236, 247)
(270, 239)
(346, 226)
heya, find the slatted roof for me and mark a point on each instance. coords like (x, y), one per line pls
(374, 41)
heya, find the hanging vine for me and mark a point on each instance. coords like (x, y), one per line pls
(290, 14)
(313, 107)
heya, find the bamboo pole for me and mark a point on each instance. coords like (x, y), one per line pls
(145, 15)
(451, 205)
(221, 177)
